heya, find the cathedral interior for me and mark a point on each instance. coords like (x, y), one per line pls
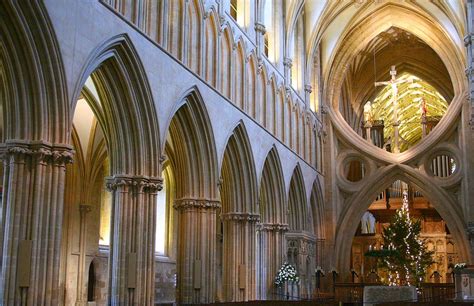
(180, 151)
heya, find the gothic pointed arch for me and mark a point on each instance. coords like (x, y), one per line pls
(211, 29)
(191, 148)
(33, 88)
(194, 24)
(226, 55)
(239, 75)
(317, 210)
(239, 216)
(239, 182)
(441, 201)
(272, 190)
(125, 104)
(297, 204)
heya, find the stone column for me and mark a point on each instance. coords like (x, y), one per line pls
(271, 241)
(260, 31)
(239, 256)
(132, 247)
(81, 299)
(196, 275)
(32, 217)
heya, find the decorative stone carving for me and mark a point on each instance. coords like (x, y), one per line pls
(39, 151)
(241, 217)
(260, 28)
(188, 204)
(287, 62)
(136, 183)
(273, 227)
(308, 88)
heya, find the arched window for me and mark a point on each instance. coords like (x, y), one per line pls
(164, 213)
(239, 10)
(161, 216)
(91, 283)
(234, 8)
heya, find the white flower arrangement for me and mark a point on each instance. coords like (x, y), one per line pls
(459, 266)
(286, 273)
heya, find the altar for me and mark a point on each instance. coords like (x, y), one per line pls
(378, 294)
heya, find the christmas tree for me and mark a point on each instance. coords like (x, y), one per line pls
(405, 256)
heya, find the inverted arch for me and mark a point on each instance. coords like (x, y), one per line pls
(393, 15)
(239, 182)
(33, 80)
(297, 204)
(126, 104)
(272, 190)
(442, 202)
(191, 149)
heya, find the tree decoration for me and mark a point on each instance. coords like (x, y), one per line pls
(405, 256)
(286, 273)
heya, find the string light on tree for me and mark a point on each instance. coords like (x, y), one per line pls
(406, 259)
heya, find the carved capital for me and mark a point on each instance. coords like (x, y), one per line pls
(38, 151)
(196, 204)
(273, 227)
(260, 28)
(287, 62)
(468, 39)
(141, 184)
(241, 217)
(308, 88)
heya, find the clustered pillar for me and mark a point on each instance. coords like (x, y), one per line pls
(272, 245)
(239, 256)
(197, 222)
(132, 252)
(32, 215)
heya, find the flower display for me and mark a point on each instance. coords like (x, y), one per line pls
(287, 272)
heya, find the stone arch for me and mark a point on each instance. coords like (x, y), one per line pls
(271, 244)
(126, 104)
(226, 54)
(272, 190)
(239, 182)
(297, 202)
(33, 86)
(190, 148)
(251, 82)
(442, 202)
(34, 146)
(239, 75)
(239, 216)
(193, 33)
(318, 210)
(210, 41)
(393, 15)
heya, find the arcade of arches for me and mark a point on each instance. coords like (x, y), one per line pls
(182, 150)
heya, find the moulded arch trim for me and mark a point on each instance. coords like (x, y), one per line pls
(192, 99)
(133, 78)
(298, 179)
(449, 210)
(239, 132)
(274, 157)
(34, 74)
(318, 209)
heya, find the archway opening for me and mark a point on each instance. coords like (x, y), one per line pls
(395, 90)
(88, 203)
(380, 214)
